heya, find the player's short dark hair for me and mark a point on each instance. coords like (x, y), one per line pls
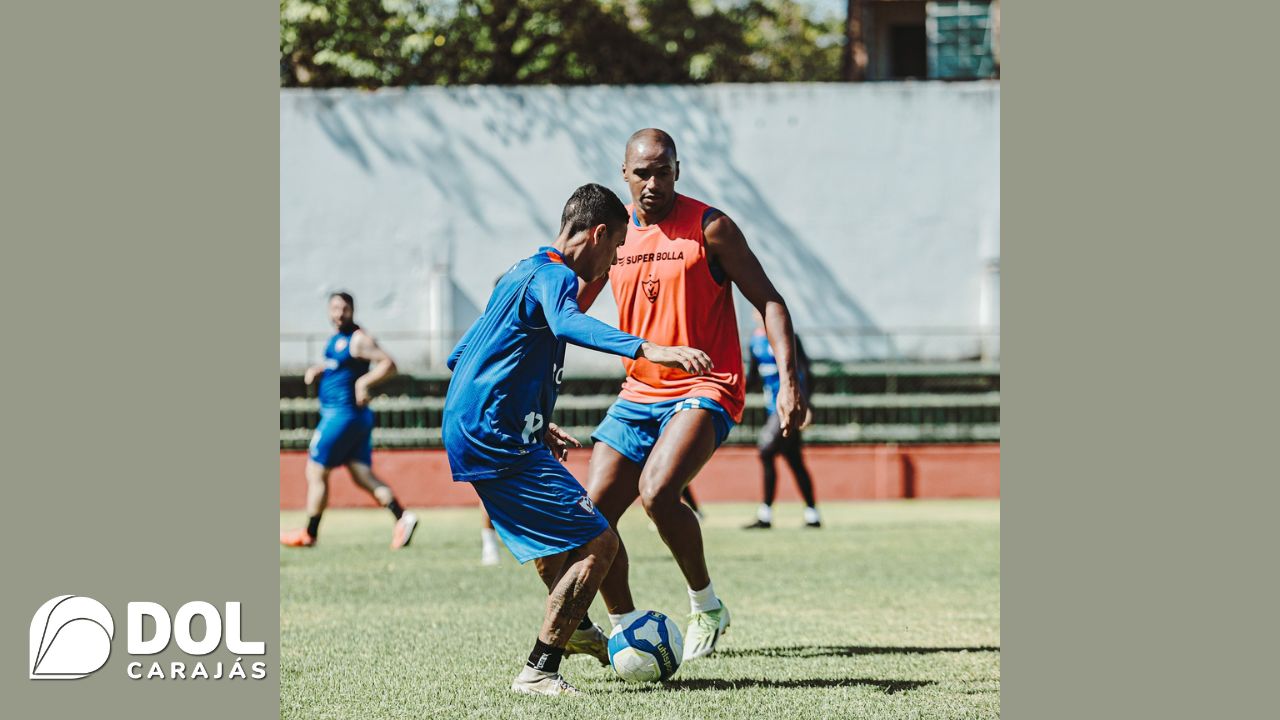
(589, 206)
(346, 296)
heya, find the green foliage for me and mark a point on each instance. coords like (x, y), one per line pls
(373, 43)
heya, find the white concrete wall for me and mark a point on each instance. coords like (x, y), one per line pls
(874, 207)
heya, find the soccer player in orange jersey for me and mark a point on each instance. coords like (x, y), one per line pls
(673, 283)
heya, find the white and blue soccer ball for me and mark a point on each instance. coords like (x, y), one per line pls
(646, 650)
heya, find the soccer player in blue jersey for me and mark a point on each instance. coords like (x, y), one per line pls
(498, 433)
(772, 442)
(354, 363)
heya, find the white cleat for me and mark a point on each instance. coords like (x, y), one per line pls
(704, 631)
(403, 531)
(536, 682)
(489, 556)
(589, 641)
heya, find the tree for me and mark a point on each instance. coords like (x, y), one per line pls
(372, 43)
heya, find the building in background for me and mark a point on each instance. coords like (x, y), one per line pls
(915, 39)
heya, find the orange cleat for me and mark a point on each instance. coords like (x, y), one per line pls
(297, 538)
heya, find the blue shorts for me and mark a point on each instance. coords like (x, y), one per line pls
(343, 436)
(632, 428)
(541, 510)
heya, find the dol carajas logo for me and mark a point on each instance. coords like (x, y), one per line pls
(70, 638)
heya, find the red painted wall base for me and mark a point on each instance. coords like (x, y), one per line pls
(421, 478)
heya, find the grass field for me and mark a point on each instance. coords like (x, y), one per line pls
(890, 611)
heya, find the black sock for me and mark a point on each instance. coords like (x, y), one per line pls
(545, 657)
(586, 623)
(313, 526)
(395, 508)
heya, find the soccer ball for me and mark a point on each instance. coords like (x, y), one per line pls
(647, 650)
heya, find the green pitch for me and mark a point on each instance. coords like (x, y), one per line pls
(890, 611)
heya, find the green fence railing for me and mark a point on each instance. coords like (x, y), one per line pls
(864, 404)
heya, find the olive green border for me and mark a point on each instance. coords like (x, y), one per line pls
(140, 283)
(1135, 182)
(140, 276)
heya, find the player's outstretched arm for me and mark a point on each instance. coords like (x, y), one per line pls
(729, 247)
(383, 367)
(680, 357)
(556, 292)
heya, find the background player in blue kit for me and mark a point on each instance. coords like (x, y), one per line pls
(772, 442)
(497, 430)
(354, 363)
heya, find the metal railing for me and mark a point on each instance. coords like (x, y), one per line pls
(853, 403)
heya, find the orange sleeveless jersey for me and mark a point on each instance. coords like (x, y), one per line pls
(665, 293)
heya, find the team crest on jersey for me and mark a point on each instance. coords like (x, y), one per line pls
(340, 345)
(586, 504)
(650, 289)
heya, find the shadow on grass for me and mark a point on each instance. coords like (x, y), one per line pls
(795, 651)
(890, 687)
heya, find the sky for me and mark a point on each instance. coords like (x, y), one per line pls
(834, 7)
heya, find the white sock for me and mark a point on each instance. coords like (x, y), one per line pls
(811, 515)
(624, 618)
(764, 513)
(489, 538)
(704, 600)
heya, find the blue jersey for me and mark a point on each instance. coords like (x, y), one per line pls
(338, 383)
(507, 368)
(767, 366)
